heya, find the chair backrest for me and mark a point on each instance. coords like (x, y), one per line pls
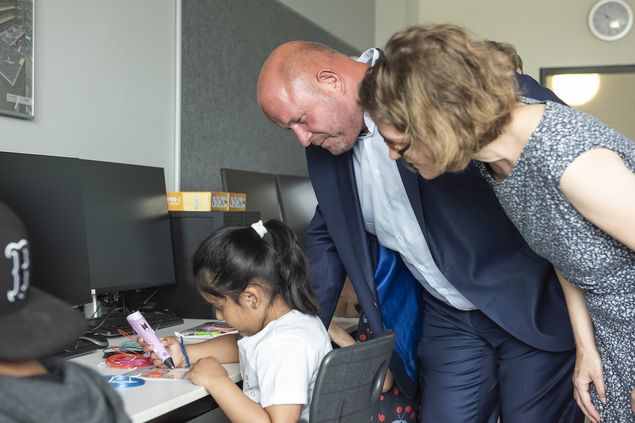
(350, 381)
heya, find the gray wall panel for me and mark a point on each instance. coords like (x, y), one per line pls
(224, 43)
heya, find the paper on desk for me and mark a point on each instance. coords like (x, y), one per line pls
(209, 330)
(158, 373)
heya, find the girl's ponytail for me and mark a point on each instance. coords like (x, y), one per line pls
(295, 286)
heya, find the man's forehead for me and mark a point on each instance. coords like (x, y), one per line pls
(283, 106)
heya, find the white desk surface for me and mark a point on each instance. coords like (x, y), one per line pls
(158, 397)
(155, 397)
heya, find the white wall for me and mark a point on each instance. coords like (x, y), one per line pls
(546, 33)
(353, 21)
(393, 15)
(105, 70)
(104, 83)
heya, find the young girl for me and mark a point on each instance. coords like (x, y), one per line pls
(257, 280)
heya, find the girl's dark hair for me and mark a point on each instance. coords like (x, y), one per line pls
(232, 258)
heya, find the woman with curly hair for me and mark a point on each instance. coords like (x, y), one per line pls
(442, 98)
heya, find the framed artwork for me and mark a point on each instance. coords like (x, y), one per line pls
(16, 58)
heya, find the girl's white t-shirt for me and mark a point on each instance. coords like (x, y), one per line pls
(280, 363)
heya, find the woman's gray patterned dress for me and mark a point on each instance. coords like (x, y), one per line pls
(584, 254)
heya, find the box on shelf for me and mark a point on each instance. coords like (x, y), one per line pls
(237, 201)
(189, 201)
(229, 201)
(220, 201)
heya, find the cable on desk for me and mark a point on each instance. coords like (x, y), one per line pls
(128, 361)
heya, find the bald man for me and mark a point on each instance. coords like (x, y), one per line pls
(494, 337)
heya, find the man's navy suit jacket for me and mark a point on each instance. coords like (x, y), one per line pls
(472, 241)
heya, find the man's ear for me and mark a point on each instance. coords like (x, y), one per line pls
(332, 79)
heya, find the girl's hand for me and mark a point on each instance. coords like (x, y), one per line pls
(171, 344)
(588, 369)
(206, 371)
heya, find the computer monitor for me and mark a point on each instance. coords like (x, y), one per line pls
(260, 188)
(127, 226)
(47, 195)
(92, 225)
(297, 201)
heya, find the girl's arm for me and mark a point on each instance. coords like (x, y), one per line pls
(600, 186)
(588, 366)
(223, 348)
(208, 372)
(339, 336)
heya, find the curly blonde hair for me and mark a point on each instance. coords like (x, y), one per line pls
(508, 50)
(448, 92)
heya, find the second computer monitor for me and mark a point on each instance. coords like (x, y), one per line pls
(297, 201)
(260, 188)
(127, 226)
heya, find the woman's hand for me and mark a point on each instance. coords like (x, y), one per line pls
(588, 369)
(588, 365)
(173, 347)
(206, 371)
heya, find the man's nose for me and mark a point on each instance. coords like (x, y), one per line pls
(303, 136)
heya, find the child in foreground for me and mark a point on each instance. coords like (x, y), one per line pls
(257, 280)
(35, 385)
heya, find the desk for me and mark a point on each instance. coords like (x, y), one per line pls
(156, 397)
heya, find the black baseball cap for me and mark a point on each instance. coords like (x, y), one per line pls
(33, 323)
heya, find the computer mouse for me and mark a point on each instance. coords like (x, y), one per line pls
(96, 338)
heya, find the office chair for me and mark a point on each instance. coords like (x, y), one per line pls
(350, 381)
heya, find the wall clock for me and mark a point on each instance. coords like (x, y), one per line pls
(610, 20)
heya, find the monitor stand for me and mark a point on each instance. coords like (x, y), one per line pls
(92, 309)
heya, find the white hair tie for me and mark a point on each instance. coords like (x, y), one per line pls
(259, 228)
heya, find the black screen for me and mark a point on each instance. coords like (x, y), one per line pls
(91, 225)
(298, 202)
(127, 226)
(46, 193)
(260, 189)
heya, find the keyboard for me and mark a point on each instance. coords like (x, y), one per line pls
(110, 324)
(76, 348)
